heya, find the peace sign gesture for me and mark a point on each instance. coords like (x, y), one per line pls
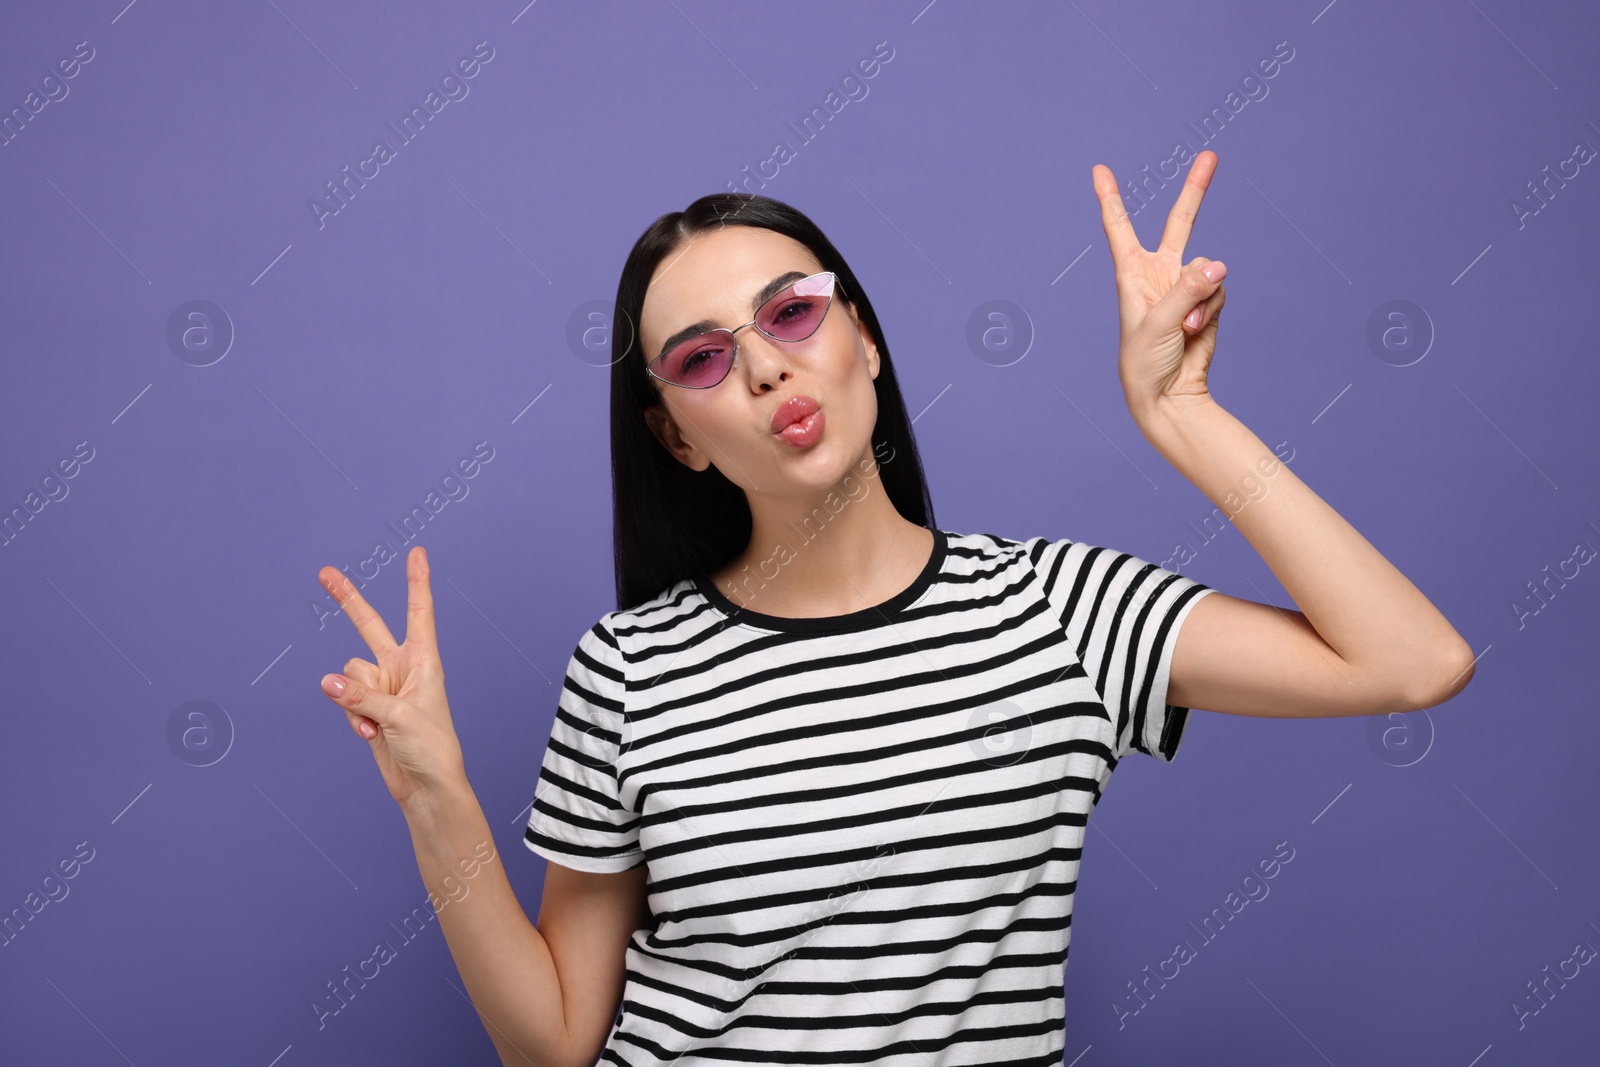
(1169, 310)
(398, 703)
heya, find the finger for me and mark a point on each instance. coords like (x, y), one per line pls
(367, 674)
(1191, 289)
(363, 726)
(362, 671)
(360, 700)
(1206, 312)
(366, 620)
(419, 603)
(1120, 235)
(1180, 221)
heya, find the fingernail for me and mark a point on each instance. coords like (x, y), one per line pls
(1214, 271)
(1192, 320)
(367, 731)
(333, 685)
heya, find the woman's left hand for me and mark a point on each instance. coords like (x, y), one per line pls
(1169, 309)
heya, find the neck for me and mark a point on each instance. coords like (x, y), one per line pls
(831, 553)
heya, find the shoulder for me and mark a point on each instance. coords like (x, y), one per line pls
(992, 565)
(975, 551)
(657, 621)
(1063, 569)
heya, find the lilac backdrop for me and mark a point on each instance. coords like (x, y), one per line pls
(348, 360)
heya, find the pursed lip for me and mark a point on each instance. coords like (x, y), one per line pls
(793, 410)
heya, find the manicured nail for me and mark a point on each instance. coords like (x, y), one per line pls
(333, 685)
(1214, 271)
(367, 731)
(1192, 320)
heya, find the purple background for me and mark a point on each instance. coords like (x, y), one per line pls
(433, 310)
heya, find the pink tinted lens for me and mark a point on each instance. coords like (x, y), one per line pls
(792, 315)
(698, 363)
(795, 313)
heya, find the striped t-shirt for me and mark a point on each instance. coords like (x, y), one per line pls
(862, 831)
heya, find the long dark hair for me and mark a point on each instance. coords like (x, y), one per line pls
(670, 522)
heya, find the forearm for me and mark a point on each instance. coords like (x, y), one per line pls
(1363, 608)
(503, 959)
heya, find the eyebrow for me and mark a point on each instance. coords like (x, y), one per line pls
(768, 291)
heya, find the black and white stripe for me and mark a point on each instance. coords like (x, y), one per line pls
(862, 832)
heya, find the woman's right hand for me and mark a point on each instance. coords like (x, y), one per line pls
(398, 704)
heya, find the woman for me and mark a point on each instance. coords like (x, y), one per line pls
(817, 790)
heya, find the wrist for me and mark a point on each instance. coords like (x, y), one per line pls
(428, 808)
(1169, 419)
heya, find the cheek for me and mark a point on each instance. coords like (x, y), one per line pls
(712, 424)
(848, 357)
(869, 402)
(856, 388)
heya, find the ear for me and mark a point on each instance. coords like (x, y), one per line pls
(867, 341)
(665, 429)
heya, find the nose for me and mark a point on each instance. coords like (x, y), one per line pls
(766, 359)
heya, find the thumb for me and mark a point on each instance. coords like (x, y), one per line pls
(367, 708)
(1192, 289)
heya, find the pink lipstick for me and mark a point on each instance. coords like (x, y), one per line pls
(798, 421)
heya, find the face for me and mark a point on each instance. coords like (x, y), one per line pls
(716, 277)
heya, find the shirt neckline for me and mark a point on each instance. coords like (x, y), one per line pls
(866, 618)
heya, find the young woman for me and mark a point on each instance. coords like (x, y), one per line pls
(817, 790)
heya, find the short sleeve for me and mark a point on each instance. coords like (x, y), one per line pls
(1122, 615)
(578, 818)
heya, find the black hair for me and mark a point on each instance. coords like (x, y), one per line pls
(670, 522)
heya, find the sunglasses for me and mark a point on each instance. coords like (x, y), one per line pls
(703, 360)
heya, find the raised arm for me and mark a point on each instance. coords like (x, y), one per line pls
(1365, 640)
(515, 973)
